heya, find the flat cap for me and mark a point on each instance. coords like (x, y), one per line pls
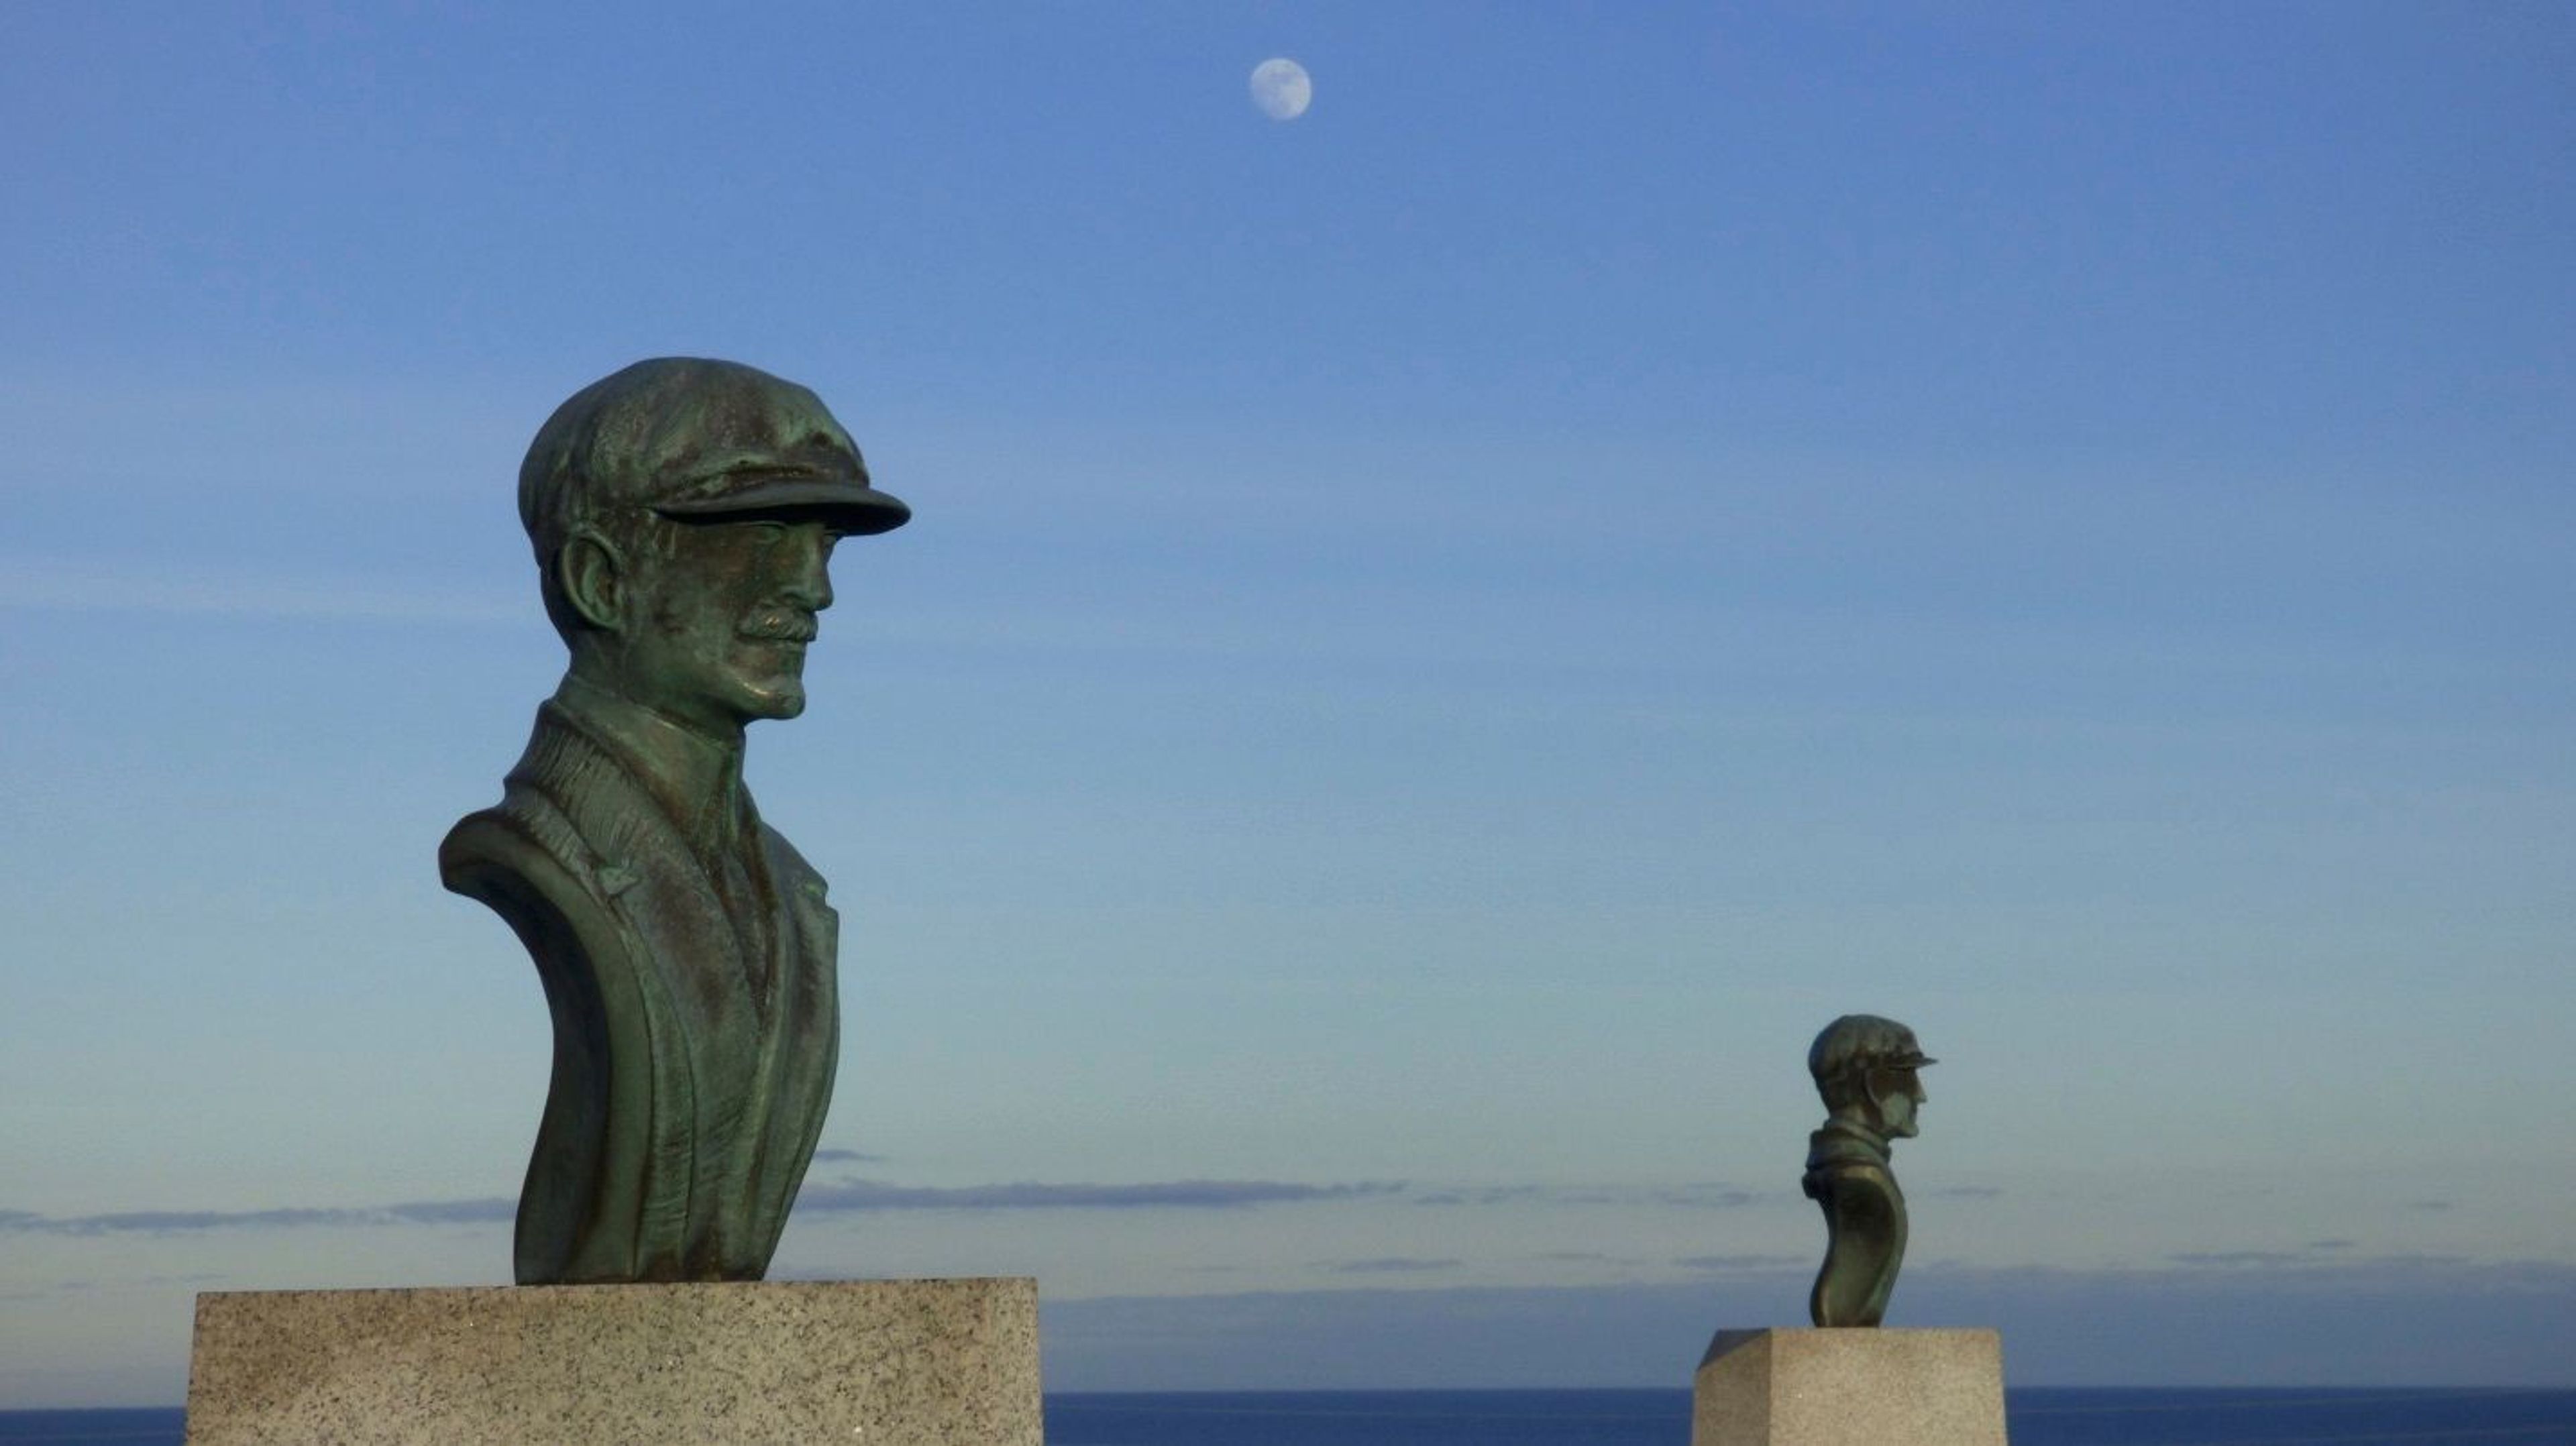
(1864, 1041)
(696, 439)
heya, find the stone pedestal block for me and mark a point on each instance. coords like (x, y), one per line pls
(888, 1363)
(1850, 1388)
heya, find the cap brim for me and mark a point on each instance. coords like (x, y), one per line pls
(841, 504)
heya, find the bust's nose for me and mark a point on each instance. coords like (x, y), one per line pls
(808, 579)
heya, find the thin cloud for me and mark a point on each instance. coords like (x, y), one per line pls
(2237, 1257)
(1739, 1262)
(114, 1283)
(167, 1222)
(2316, 1255)
(848, 1196)
(1389, 1265)
(855, 1195)
(1492, 1195)
(1712, 1196)
(846, 1157)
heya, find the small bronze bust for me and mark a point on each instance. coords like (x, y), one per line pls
(683, 514)
(1865, 1068)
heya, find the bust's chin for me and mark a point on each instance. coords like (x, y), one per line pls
(768, 678)
(781, 698)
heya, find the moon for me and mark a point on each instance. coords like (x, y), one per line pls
(1281, 89)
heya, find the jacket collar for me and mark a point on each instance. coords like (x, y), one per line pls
(696, 780)
(1843, 1137)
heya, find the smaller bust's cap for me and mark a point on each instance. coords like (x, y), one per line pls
(1867, 1041)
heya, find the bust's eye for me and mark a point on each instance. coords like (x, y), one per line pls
(767, 533)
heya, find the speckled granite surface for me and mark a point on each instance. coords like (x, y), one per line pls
(888, 1363)
(1850, 1388)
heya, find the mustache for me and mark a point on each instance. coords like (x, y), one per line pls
(778, 625)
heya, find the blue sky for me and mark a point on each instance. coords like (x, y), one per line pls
(1442, 640)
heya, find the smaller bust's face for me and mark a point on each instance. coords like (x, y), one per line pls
(1898, 1094)
(718, 631)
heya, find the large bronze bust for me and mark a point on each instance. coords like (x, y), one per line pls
(683, 514)
(1865, 1071)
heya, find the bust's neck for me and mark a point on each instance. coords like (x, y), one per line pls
(697, 779)
(1852, 1126)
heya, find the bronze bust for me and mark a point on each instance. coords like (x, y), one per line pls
(1865, 1070)
(683, 514)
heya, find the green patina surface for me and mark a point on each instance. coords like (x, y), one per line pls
(1865, 1068)
(683, 513)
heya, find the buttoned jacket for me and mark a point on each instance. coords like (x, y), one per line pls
(688, 957)
(1849, 1177)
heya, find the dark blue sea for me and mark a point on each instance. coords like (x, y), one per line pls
(2427, 1417)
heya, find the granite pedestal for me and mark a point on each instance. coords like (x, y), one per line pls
(888, 1363)
(1850, 1388)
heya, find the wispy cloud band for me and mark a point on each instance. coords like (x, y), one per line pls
(1711, 1197)
(844, 1197)
(1030, 1195)
(163, 1222)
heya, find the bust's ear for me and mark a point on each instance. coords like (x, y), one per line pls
(592, 574)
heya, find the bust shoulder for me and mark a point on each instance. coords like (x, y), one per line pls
(524, 861)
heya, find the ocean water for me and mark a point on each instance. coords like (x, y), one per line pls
(2039, 1417)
